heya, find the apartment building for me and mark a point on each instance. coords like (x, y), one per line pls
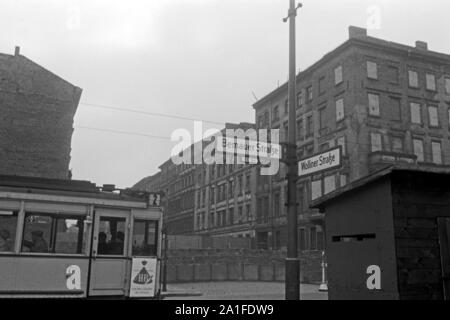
(383, 102)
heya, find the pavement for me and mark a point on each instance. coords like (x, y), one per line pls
(238, 290)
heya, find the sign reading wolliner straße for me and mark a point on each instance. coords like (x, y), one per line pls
(326, 160)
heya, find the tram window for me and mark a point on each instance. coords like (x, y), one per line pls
(37, 233)
(46, 233)
(8, 224)
(70, 236)
(111, 236)
(145, 237)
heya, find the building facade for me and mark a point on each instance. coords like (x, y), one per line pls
(36, 124)
(207, 199)
(383, 102)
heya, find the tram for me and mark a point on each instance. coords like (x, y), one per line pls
(72, 239)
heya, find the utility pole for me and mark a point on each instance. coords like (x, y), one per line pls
(292, 285)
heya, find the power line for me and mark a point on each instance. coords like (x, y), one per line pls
(123, 132)
(154, 114)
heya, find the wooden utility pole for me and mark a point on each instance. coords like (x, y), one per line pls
(292, 285)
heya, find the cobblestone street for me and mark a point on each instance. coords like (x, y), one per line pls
(242, 291)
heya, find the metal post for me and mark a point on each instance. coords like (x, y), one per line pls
(292, 285)
(323, 286)
(164, 288)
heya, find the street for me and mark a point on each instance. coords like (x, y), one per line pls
(240, 290)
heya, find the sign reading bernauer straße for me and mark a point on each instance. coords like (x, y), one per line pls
(326, 160)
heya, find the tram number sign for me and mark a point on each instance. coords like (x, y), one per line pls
(326, 160)
(143, 277)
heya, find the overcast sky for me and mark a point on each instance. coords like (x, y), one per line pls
(194, 58)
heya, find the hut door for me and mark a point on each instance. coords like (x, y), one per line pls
(444, 243)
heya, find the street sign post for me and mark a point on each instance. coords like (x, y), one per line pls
(324, 161)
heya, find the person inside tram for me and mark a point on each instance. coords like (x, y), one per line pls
(4, 241)
(37, 243)
(117, 245)
(102, 244)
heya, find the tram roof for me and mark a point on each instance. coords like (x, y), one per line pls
(80, 188)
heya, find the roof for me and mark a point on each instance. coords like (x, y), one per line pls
(361, 41)
(370, 179)
(75, 188)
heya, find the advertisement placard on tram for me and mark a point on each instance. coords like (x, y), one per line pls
(143, 277)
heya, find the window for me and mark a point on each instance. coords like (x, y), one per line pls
(46, 233)
(286, 106)
(247, 212)
(418, 149)
(338, 75)
(413, 79)
(393, 74)
(276, 204)
(300, 129)
(415, 113)
(431, 82)
(312, 238)
(340, 110)
(231, 215)
(316, 189)
(145, 237)
(436, 152)
(309, 126)
(433, 116)
(111, 236)
(395, 109)
(276, 114)
(322, 118)
(375, 142)
(322, 85)
(374, 104)
(8, 224)
(299, 99)
(309, 94)
(341, 142)
(372, 72)
(329, 184)
(302, 239)
(397, 144)
(447, 85)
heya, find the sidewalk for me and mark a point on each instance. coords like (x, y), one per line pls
(238, 290)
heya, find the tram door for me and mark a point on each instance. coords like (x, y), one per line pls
(109, 263)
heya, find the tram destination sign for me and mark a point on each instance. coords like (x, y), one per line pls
(326, 160)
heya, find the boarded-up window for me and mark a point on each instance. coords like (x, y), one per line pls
(329, 184)
(340, 110)
(316, 189)
(433, 116)
(431, 82)
(341, 142)
(416, 116)
(375, 142)
(418, 149)
(372, 71)
(413, 79)
(338, 75)
(374, 104)
(447, 85)
(436, 152)
(397, 144)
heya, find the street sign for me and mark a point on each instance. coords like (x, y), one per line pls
(251, 148)
(323, 161)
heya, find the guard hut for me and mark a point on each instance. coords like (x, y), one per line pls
(387, 236)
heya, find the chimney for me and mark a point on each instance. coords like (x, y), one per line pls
(356, 32)
(421, 45)
(17, 51)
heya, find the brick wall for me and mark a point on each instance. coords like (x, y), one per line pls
(36, 119)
